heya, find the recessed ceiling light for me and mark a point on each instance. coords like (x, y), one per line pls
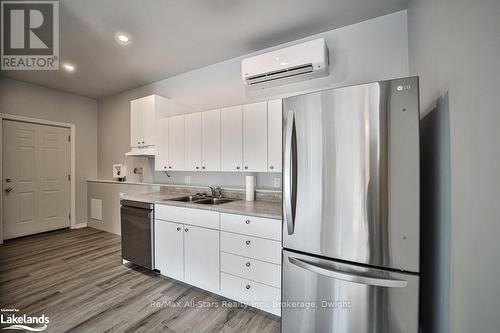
(68, 67)
(122, 38)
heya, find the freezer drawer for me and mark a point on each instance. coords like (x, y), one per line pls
(348, 298)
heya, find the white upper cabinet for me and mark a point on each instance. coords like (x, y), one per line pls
(210, 140)
(255, 137)
(193, 142)
(274, 135)
(142, 118)
(231, 138)
(176, 143)
(144, 112)
(161, 138)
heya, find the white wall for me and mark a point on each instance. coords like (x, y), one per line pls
(368, 51)
(454, 46)
(29, 100)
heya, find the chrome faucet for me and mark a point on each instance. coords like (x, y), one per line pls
(216, 191)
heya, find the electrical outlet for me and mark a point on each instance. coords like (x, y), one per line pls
(187, 179)
(277, 182)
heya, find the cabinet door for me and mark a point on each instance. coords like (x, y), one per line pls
(193, 142)
(274, 135)
(142, 111)
(255, 137)
(231, 120)
(135, 125)
(176, 143)
(210, 142)
(161, 139)
(201, 257)
(169, 250)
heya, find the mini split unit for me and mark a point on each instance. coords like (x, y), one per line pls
(299, 62)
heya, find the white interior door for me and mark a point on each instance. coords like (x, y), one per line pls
(36, 168)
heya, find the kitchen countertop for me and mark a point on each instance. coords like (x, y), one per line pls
(265, 209)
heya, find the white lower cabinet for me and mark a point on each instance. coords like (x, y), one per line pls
(242, 263)
(252, 293)
(169, 256)
(201, 257)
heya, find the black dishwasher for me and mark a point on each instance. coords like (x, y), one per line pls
(137, 226)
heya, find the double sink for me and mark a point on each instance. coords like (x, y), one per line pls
(201, 199)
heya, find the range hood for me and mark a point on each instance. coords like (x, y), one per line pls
(142, 151)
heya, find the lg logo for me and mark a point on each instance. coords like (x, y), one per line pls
(30, 34)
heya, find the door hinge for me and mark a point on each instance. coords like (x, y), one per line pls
(69, 138)
(69, 177)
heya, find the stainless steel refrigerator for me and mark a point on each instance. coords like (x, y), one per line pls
(351, 209)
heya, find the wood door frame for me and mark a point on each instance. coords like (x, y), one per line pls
(72, 128)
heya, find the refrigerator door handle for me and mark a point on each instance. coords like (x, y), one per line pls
(346, 276)
(289, 172)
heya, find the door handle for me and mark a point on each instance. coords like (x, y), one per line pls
(290, 173)
(347, 276)
(8, 189)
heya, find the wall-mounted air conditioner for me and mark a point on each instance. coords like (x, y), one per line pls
(295, 63)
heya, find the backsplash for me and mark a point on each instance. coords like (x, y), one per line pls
(260, 195)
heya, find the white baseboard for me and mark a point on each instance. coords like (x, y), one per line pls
(79, 226)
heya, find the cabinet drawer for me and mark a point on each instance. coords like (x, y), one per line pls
(199, 217)
(252, 269)
(253, 293)
(252, 247)
(250, 225)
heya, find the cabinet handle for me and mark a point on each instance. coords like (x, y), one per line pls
(247, 221)
(186, 230)
(164, 167)
(247, 286)
(247, 242)
(248, 264)
(169, 167)
(138, 142)
(178, 228)
(203, 168)
(143, 142)
(197, 168)
(271, 167)
(237, 168)
(246, 167)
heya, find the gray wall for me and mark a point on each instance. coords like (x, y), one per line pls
(368, 51)
(29, 100)
(454, 46)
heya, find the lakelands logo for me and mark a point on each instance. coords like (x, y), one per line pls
(15, 321)
(30, 35)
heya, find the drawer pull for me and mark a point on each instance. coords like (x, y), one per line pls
(178, 228)
(247, 242)
(247, 221)
(247, 286)
(248, 264)
(186, 230)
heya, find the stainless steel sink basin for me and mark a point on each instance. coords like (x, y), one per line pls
(213, 201)
(187, 198)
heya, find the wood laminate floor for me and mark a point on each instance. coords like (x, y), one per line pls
(76, 277)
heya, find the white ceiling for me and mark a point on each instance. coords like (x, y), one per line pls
(170, 37)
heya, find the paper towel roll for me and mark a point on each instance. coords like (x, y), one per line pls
(250, 188)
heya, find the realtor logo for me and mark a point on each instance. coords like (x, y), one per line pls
(30, 35)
